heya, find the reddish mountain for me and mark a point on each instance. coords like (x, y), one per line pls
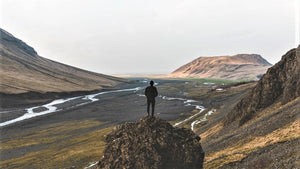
(241, 66)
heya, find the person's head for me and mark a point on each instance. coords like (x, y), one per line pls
(151, 82)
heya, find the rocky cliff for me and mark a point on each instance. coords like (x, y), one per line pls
(241, 66)
(281, 84)
(152, 143)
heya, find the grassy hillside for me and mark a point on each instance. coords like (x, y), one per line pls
(268, 141)
(60, 145)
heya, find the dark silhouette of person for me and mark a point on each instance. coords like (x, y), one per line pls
(151, 93)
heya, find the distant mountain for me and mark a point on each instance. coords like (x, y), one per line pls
(241, 66)
(280, 84)
(23, 70)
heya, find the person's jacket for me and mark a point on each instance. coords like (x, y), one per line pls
(151, 92)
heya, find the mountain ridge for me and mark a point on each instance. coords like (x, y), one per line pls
(23, 70)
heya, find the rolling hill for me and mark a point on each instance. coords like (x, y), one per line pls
(23, 70)
(237, 67)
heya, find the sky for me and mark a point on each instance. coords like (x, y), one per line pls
(151, 36)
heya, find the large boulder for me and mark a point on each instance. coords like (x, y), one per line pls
(152, 143)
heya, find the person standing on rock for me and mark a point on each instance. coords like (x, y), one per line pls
(151, 93)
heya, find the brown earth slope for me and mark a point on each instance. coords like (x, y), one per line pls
(241, 66)
(23, 70)
(281, 83)
(263, 129)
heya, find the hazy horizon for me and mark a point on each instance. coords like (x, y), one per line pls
(141, 37)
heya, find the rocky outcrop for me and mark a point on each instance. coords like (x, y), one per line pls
(281, 83)
(241, 66)
(152, 143)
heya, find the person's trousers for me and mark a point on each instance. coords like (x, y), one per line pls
(152, 102)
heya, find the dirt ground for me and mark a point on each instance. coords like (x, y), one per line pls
(111, 109)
